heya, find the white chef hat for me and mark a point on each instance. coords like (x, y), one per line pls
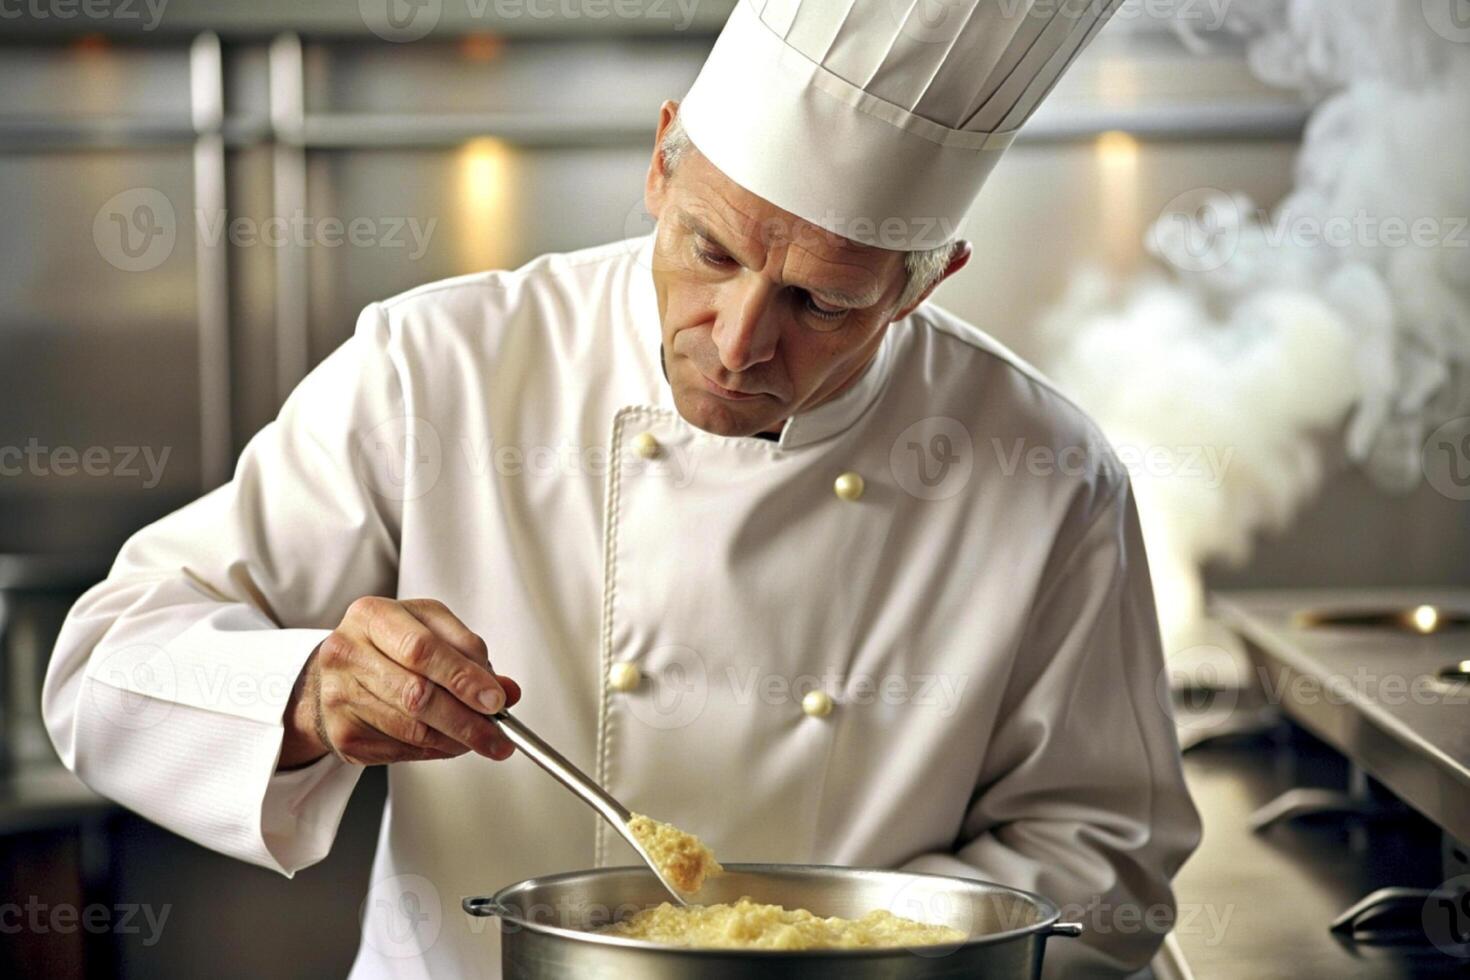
(879, 120)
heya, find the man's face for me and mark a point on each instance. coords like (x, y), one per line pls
(764, 314)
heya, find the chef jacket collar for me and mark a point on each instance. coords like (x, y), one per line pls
(803, 429)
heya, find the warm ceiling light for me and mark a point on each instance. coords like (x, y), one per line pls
(1425, 618)
(90, 43)
(481, 47)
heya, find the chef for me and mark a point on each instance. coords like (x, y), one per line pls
(758, 533)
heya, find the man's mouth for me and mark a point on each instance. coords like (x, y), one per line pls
(723, 392)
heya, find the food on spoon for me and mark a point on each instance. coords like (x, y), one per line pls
(751, 925)
(682, 858)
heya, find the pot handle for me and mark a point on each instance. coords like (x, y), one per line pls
(1070, 930)
(483, 906)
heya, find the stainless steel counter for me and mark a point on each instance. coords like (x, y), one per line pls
(1370, 693)
(1258, 906)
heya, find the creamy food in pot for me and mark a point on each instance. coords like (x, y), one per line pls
(682, 858)
(686, 862)
(751, 925)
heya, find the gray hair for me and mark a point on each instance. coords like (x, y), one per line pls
(923, 267)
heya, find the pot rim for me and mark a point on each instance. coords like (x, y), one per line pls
(1044, 927)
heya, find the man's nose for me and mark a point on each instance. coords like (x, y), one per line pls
(746, 327)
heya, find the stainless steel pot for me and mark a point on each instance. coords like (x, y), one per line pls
(544, 925)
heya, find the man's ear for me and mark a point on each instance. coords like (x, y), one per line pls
(655, 185)
(957, 262)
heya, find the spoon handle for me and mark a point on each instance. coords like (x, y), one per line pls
(560, 767)
(578, 782)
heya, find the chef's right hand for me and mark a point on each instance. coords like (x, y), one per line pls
(396, 681)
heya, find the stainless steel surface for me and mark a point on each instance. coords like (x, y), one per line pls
(212, 287)
(541, 752)
(544, 923)
(1372, 694)
(1259, 907)
(498, 147)
(287, 110)
(357, 18)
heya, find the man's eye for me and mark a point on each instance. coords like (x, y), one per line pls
(823, 312)
(709, 257)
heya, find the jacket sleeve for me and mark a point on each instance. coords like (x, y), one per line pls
(168, 683)
(1082, 797)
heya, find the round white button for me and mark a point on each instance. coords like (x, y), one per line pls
(849, 486)
(623, 676)
(645, 445)
(818, 704)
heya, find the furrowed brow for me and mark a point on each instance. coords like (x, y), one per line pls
(693, 225)
(834, 297)
(838, 297)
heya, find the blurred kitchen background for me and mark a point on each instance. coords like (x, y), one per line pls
(198, 196)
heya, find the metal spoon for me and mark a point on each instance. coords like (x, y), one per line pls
(580, 783)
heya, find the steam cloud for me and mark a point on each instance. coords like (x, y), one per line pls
(1346, 312)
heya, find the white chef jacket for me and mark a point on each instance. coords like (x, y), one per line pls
(978, 622)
